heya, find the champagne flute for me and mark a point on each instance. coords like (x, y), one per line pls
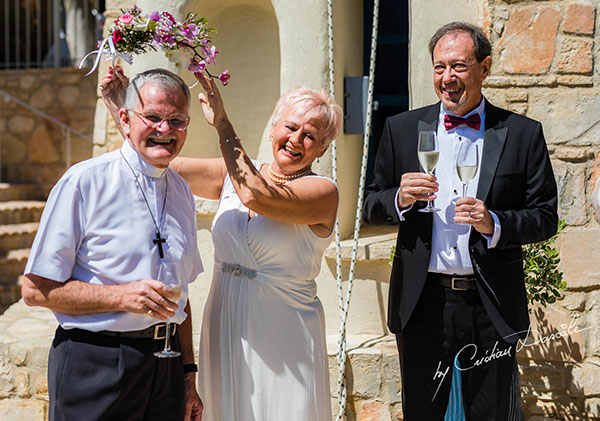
(467, 163)
(170, 277)
(428, 154)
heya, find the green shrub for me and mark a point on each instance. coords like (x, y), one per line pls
(543, 278)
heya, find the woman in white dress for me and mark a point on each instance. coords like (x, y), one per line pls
(263, 353)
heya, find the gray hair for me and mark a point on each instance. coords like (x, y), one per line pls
(159, 77)
(314, 104)
(483, 48)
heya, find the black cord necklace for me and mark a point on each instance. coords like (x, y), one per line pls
(158, 240)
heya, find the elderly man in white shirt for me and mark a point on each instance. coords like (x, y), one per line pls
(112, 228)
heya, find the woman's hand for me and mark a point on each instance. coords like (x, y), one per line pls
(211, 101)
(113, 87)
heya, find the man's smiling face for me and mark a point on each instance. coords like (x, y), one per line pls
(158, 143)
(458, 76)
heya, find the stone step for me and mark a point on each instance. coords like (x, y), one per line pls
(13, 265)
(17, 236)
(20, 211)
(12, 191)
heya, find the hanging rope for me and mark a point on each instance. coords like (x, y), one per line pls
(344, 302)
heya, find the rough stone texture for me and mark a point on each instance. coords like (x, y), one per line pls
(585, 379)
(30, 140)
(580, 19)
(580, 260)
(41, 147)
(576, 56)
(571, 182)
(528, 42)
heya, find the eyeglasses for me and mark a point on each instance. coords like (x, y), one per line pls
(458, 67)
(176, 123)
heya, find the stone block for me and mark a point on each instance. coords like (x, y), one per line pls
(580, 19)
(555, 335)
(580, 261)
(68, 95)
(44, 97)
(573, 154)
(22, 383)
(516, 96)
(365, 367)
(527, 45)
(20, 124)
(28, 81)
(14, 149)
(29, 410)
(372, 410)
(571, 182)
(592, 407)
(585, 379)
(576, 56)
(41, 147)
(590, 319)
(573, 301)
(7, 373)
(518, 108)
(392, 382)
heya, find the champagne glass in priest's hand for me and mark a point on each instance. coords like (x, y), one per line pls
(467, 163)
(169, 275)
(428, 154)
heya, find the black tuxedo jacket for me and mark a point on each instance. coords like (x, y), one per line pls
(516, 182)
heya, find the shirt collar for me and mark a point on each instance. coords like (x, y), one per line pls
(477, 110)
(138, 163)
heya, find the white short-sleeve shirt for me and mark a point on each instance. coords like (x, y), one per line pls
(97, 228)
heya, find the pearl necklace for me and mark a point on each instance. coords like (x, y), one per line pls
(282, 179)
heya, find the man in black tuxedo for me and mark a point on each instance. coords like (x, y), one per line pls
(457, 300)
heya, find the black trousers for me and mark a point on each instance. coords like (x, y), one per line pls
(97, 377)
(449, 324)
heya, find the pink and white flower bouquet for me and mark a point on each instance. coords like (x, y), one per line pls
(187, 44)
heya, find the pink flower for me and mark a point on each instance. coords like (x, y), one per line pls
(224, 77)
(154, 16)
(116, 36)
(197, 67)
(126, 19)
(210, 54)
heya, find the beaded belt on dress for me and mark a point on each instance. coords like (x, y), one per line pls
(238, 270)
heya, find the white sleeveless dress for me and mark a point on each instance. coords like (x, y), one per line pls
(263, 354)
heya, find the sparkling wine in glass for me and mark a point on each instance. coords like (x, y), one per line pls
(171, 278)
(467, 163)
(428, 154)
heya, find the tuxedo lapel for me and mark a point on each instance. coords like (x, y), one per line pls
(494, 138)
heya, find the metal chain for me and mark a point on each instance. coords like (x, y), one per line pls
(345, 302)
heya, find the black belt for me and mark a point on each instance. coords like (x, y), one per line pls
(155, 332)
(454, 282)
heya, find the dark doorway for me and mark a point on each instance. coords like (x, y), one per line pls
(390, 92)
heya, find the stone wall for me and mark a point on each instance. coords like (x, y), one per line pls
(33, 149)
(546, 67)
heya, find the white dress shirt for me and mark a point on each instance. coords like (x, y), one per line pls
(450, 241)
(97, 228)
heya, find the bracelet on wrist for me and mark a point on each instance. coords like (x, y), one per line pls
(229, 139)
(190, 368)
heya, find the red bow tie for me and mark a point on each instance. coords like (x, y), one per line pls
(451, 122)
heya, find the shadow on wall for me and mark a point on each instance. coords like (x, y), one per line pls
(548, 358)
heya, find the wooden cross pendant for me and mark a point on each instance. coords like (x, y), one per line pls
(159, 241)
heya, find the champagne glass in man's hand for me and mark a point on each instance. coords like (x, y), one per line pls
(171, 278)
(428, 154)
(467, 163)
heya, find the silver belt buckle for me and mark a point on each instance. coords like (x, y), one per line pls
(157, 327)
(455, 288)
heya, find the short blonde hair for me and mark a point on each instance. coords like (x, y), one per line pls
(315, 104)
